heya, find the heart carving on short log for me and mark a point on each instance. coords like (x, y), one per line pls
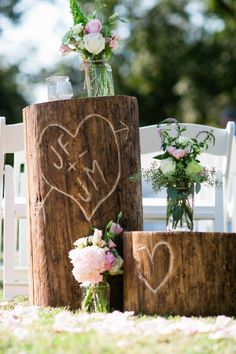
(73, 166)
(144, 270)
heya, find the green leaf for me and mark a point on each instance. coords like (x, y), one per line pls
(198, 187)
(119, 217)
(172, 192)
(177, 213)
(162, 156)
(77, 13)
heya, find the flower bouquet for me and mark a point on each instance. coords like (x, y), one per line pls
(93, 259)
(179, 170)
(93, 38)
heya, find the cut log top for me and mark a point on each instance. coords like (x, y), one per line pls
(82, 100)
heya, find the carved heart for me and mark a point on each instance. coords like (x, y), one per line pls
(73, 165)
(141, 253)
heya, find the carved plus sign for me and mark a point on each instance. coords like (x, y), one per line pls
(72, 166)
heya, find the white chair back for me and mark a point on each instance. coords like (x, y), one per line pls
(14, 210)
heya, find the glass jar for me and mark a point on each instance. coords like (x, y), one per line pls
(98, 78)
(95, 297)
(59, 88)
(179, 213)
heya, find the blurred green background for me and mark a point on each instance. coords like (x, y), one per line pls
(178, 59)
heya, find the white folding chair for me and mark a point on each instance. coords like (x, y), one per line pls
(15, 275)
(209, 204)
(232, 191)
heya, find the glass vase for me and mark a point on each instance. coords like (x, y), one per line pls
(95, 297)
(98, 78)
(179, 213)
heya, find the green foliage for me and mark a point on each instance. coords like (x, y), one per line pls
(11, 100)
(179, 171)
(77, 13)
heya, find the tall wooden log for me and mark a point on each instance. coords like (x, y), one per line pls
(180, 273)
(80, 154)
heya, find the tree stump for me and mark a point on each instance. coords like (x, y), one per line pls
(80, 154)
(178, 273)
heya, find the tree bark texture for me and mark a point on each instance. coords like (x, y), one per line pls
(80, 154)
(178, 273)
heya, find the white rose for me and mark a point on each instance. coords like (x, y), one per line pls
(81, 242)
(116, 266)
(78, 28)
(167, 166)
(184, 141)
(94, 43)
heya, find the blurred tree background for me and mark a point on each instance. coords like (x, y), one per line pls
(178, 64)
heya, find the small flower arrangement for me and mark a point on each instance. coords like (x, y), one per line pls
(179, 170)
(94, 258)
(178, 165)
(91, 36)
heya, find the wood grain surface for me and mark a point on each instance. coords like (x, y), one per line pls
(180, 273)
(80, 154)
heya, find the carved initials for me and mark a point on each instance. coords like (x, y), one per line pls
(60, 166)
(88, 198)
(89, 172)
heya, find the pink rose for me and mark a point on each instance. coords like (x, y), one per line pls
(109, 260)
(170, 150)
(177, 153)
(93, 26)
(97, 234)
(65, 50)
(116, 228)
(114, 41)
(111, 244)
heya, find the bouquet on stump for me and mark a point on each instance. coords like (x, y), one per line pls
(93, 38)
(179, 170)
(93, 259)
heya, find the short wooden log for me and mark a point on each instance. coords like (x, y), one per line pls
(180, 273)
(80, 154)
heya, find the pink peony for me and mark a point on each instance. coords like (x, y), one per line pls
(177, 153)
(65, 50)
(93, 26)
(109, 260)
(89, 264)
(116, 228)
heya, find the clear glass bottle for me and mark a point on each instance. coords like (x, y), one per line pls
(179, 213)
(98, 78)
(95, 297)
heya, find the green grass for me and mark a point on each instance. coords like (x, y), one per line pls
(43, 338)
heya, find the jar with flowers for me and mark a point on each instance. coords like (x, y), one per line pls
(94, 258)
(93, 37)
